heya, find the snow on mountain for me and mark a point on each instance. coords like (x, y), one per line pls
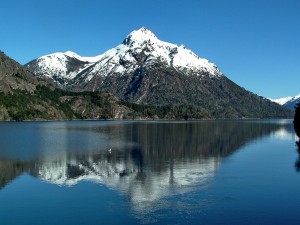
(84, 59)
(139, 47)
(288, 102)
(281, 101)
(63, 66)
(176, 56)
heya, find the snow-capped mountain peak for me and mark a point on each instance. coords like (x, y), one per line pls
(140, 49)
(140, 35)
(71, 54)
(143, 41)
(288, 102)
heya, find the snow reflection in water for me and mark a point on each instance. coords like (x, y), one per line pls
(148, 161)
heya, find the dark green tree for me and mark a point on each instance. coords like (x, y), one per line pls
(297, 119)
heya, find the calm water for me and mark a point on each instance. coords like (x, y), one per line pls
(110, 172)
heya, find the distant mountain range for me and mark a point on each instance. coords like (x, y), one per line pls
(288, 102)
(147, 71)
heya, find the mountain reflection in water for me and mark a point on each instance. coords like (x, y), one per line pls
(145, 161)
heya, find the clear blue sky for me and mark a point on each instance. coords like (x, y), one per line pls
(254, 43)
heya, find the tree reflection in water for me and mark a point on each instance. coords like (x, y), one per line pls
(297, 130)
(297, 163)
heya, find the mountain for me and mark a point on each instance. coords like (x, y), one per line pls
(288, 102)
(23, 96)
(146, 70)
(140, 50)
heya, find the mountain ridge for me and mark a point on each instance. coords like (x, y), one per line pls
(23, 96)
(288, 102)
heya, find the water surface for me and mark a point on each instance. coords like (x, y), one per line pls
(112, 172)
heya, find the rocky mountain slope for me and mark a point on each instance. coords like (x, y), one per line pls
(14, 77)
(146, 70)
(23, 96)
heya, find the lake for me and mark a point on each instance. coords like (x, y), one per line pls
(149, 172)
